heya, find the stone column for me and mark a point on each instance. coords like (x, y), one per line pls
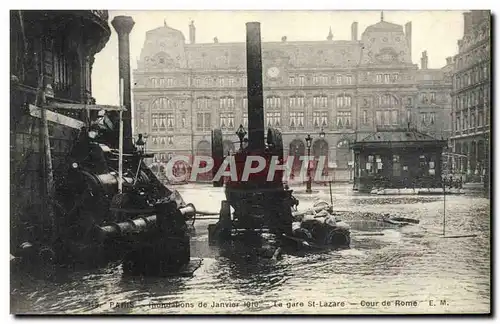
(123, 26)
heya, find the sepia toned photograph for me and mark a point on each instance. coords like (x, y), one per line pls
(250, 162)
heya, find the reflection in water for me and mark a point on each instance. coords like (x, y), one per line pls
(409, 263)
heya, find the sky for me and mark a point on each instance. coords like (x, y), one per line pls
(436, 32)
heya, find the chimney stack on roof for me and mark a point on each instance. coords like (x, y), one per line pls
(408, 37)
(330, 34)
(283, 39)
(354, 31)
(424, 61)
(192, 32)
(216, 40)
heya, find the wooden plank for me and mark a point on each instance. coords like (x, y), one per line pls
(56, 118)
(68, 106)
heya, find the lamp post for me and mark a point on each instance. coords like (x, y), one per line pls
(308, 143)
(241, 133)
(322, 133)
(140, 144)
(322, 148)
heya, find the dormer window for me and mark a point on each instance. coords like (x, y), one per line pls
(162, 60)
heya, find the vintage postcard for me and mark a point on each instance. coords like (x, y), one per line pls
(250, 162)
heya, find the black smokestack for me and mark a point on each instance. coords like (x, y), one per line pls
(123, 26)
(254, 87)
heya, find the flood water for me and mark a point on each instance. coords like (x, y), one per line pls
(405, 270)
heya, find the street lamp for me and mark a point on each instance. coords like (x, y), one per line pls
(241, 135)
(140, 144)
(308, 144)
(322, 133)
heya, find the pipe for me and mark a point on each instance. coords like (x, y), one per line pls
(120, 143)
(123, 26)
(254, 87)
(141, 224)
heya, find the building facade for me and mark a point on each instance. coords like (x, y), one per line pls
(344, 88)
(471, 99)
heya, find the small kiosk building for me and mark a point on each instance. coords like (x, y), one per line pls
(397, 159)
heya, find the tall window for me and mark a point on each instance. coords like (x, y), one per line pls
(202, 103)
(343, 119)
(162, 103)
(183, 119)
(348, 79)
(154, 122)
(302, 80)
(297, 101)
(203, 121)
(245, 120)
(320, 119)
(339, 79)
(291, 80)
(163, 121)
(387, 117)
(273, 102)
(428, 118)
(394, 117)
(387, 100)
(226, 103)
(365, 117)
(221, 82)
(343, 101)
(433, 97)
(273, 119)
(296, 120)
(320, 101)
(379, 78)
(170, 82)
(227, 120)
(379, 118)
(230, 82)
(170, 120)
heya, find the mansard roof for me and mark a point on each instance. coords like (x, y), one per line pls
(299, 54)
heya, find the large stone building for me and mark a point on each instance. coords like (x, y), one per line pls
(345, 88)
(471, 98)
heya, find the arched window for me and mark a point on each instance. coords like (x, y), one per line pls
(273, 102)
(162, 104)
(320, 101)
(226, 102)
(387, 100)
(202, 103)
(344, 101)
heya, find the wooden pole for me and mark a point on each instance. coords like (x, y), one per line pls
(47, 178)
(331, 194)
(120, 145)
(444, 207)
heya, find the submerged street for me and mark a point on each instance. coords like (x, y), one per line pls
(406, 270)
